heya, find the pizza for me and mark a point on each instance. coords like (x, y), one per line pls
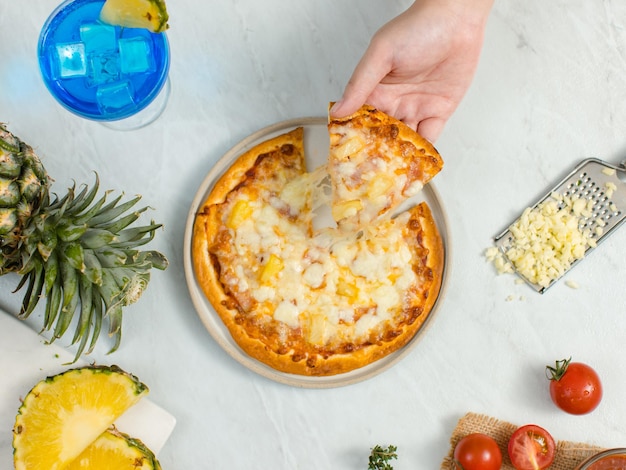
(321, 300)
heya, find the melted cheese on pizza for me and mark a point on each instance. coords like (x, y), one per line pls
(378, 180)
(331, 286)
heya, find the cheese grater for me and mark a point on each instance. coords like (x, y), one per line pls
(590, 180)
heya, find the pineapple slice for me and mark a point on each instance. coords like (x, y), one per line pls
(149, 14)
(63, 414)
(115, 450)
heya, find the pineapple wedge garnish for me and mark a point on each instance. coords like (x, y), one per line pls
(148, 14)
(64, 414)
(115, 450)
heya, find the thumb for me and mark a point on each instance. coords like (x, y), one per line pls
(370, 70)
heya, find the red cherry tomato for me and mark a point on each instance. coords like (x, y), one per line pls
(531, 448)
(574, 387)
(477, 451)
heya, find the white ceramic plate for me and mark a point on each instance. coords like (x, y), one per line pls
(316, 143)
(25, 359)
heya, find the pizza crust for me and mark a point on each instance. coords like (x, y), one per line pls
(431, 240)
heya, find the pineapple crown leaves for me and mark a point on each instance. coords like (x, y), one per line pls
(80, 251)
(81, 254)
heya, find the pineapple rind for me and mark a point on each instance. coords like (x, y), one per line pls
(89, 399)
(9, 192)
(19, 164)
(8, 220)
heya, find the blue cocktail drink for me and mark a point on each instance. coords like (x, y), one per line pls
(98, 71)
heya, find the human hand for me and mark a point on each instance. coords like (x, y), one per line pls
(418, 66)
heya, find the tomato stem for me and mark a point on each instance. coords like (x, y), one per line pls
(556, 372)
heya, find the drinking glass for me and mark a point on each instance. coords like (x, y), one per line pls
(115, 75)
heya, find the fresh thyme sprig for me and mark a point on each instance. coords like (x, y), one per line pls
(380, 457)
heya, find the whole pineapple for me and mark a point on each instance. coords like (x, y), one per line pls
(78, 252)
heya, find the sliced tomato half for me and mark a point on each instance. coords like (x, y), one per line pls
(531, 448)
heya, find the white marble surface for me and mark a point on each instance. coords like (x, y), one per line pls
(550, 91)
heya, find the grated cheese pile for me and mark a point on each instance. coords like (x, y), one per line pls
(546, 240)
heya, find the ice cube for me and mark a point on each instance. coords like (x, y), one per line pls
(104, 68)
(114, 97)
(98, 37)
(135, 55)
(71, 60)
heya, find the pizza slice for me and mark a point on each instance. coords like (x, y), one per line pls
(375, 163)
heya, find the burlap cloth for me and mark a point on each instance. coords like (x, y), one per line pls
(568, 454)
